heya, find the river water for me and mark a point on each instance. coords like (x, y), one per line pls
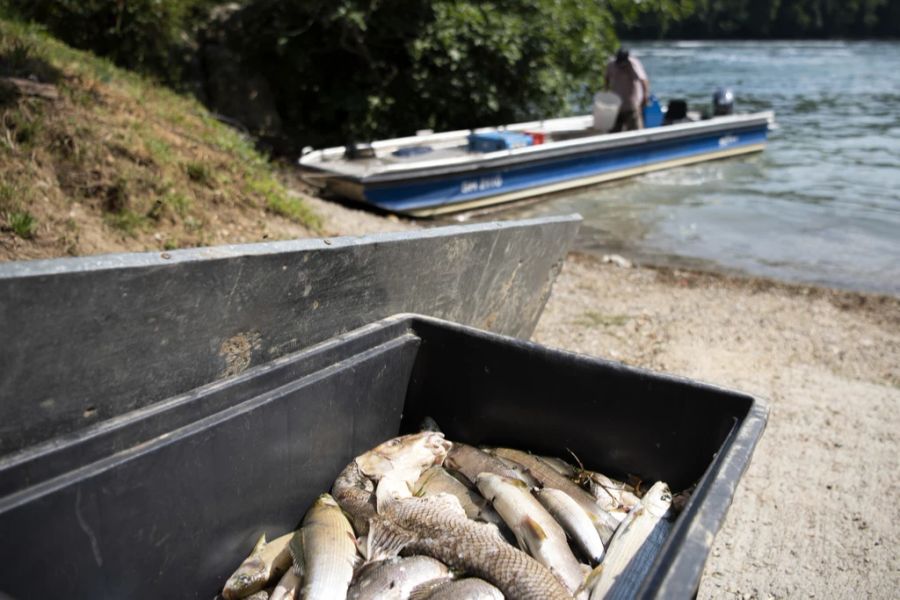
(822, 203)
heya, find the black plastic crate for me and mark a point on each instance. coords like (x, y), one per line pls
(166, 501)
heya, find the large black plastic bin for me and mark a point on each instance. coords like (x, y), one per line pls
(166, 501)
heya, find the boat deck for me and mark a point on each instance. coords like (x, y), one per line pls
(450, 145)
(451, 148)
(360, 167)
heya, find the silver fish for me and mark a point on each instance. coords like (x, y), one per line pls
(403, 457)
(324, 551)
(470, 588)
(438, 527)
(574, 520)
(612, 495)
(395, 578)
(470, 462)
(288, 587)
(634, 547)
(522, 474)
(604, 523)
(535, 529)
(560, 466)
(266, 562)
(356, 494)
(437, 480)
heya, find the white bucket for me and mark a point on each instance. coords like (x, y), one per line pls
(606, 109)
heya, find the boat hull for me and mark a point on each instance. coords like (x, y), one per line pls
(437, 191)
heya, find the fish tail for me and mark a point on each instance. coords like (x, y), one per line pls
(386, 539)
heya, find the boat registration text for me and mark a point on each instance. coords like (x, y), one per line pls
(479, 185)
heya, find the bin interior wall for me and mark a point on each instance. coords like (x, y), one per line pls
(172, 518)
(70, 452)
(617, 420)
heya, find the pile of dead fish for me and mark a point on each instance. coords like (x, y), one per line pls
(422, 518)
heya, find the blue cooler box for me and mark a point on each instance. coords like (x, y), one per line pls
(653, 115)
(498, 140)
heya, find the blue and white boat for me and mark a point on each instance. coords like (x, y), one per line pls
(437, 173)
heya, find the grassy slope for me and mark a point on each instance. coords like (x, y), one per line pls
(120, 164)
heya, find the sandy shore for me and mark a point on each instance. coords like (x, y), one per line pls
(816, 514)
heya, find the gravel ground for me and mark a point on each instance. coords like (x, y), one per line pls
(816, 514)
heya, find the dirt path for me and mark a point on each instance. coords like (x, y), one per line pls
(816, 514)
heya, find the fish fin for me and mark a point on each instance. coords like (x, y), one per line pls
(520, 542)
(361, 546)
(426, 589)
(386, 539)
(533, 534)
(590, 580)
(515, 481)
(356, 558)
(296, 549)
(287, 586)
(259, 545)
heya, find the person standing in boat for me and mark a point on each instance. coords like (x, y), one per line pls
(626, 78)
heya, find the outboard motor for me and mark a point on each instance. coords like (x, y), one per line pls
(723, 102)
(676, 111)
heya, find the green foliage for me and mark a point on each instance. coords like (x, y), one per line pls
(477, 63)
(160, 151)
(21, 126)
(280, 203)
(762, 18)
(199, 172)
(373, 69)
(126, 221)
(147, 35)
(9, 196)
(22, 223)
(595, 319)
(179, 202)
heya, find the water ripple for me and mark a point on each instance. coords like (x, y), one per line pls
(821, 205)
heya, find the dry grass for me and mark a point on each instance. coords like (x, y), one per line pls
(118, 163)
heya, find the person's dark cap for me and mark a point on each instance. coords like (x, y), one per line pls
(622, 55)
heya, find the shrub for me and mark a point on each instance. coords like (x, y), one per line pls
(22, 223)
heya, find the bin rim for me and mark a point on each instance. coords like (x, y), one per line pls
(701, 519)
(678, 568)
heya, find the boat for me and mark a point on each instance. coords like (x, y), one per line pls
(431, 174)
